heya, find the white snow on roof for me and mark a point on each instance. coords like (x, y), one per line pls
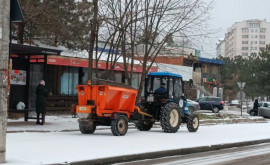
(83, 54)
(185, 71)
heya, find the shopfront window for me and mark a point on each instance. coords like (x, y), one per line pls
(69, 80)
(118, 77)
(135, 80)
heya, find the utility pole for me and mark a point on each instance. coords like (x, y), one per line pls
(4, 61)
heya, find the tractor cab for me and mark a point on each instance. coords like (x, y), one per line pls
(164, 100)
(163, 87)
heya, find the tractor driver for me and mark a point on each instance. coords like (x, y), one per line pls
(161, 89)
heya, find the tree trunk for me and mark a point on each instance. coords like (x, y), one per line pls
(92, 39)
(20, 32)
(4, 55)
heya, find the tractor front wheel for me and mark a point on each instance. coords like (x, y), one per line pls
(193, 122)
(119, 126)
(170, 118)
(87, 127)
(144, 126)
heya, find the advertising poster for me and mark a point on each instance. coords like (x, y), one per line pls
(18, 77)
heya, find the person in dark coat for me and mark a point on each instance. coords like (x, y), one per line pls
(161, 89)
(41, 96)
(256, 106)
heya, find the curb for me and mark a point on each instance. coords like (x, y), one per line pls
(157, 125)
(158, 154)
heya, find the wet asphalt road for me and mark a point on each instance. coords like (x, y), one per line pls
(247, 155)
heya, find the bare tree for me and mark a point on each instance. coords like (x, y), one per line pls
(153, 23)
(94, 25)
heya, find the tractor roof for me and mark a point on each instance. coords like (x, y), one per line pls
(164, 74)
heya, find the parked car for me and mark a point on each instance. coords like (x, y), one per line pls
(264, 110)
(193, 105)
(250, 107)
(212, 103)
(234, 103)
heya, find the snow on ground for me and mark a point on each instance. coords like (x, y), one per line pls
(60, 147)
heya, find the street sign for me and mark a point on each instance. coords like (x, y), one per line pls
(239, 95)
(197, 53)
(241, 85)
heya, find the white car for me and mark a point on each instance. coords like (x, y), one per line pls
(264, 110)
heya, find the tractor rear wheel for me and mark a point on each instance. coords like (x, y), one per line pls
(87, 127)
(119, 126)
(144, 126)
(193, 123)
(170, 118)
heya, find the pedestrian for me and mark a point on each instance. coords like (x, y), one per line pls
(256, 107)
(41, 96)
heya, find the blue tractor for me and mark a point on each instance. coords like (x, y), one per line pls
(164, 100)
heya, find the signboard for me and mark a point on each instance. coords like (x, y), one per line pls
(197, 53)
(64, 61)
(18, 77)
(239, 95)
(241, 85)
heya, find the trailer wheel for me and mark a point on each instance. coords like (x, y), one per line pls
(144, 126)
(119, 126)
(170, 118)
(193, 123)
(87, 127)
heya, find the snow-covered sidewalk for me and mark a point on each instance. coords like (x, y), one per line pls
(51, 145)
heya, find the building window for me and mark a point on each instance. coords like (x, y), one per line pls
(251, 48)
(244, 30)
(251, 36)
(255, 42)
(244, 42)
(252, 30)
(262, 48)
(204, 68)
(244, 54)
(256, 30)
(244, 48)
(254, 25)
(244, 36)
(262, 36)
(251, 42)
(256, 48)
(255, 36)
(262, 42)
(262, 30)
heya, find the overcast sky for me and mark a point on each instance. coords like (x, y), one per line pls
(226, 12)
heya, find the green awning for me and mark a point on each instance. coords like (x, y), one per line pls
(16, 14)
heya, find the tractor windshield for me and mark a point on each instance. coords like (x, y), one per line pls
(178, 88)
(170, 85)
(155, 83)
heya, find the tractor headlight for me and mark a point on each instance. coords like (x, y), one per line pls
(150, 98)
(181, 103)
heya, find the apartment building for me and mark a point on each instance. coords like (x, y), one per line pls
(220, 49)
(247, 37)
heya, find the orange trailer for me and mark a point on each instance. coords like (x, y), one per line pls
(107, 105)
